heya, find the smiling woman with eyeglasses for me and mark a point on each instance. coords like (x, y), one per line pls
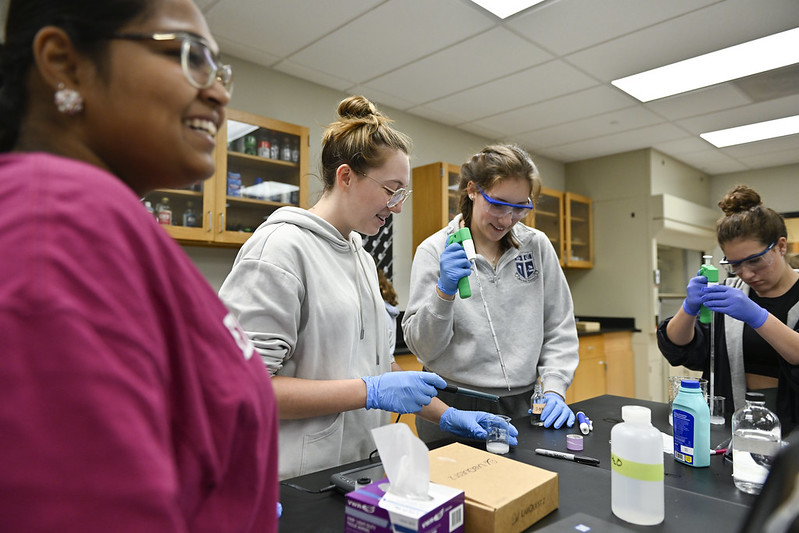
(131, 398)
(756, 311)
(515, 279)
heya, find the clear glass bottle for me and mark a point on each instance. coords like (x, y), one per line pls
(756, 439)
(163, 211)
(274, 146)
(189, 217)
(637, 493)
(285, 150)
(537, 402)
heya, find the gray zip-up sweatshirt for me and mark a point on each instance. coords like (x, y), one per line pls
(310, 302)
(530, 306)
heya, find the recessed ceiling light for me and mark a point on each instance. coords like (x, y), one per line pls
(753, 132)
(505, 8)
(760, 55)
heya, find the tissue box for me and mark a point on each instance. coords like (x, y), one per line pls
(502, 495)
(371, 510)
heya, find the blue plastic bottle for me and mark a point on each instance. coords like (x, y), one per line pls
(691, 425)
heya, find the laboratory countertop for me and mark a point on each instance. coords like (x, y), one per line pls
(696, 498)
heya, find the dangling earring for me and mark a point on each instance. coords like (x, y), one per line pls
(68, 101)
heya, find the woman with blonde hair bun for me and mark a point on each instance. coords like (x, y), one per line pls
(756, 311)
(306, 293)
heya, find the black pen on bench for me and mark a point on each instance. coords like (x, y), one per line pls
(469, 392)
(582, 459)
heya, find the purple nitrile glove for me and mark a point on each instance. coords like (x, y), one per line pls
(402, 392)
(556, 412)
(453, 265)
(693, 300)
(472, 424)
(733, 302)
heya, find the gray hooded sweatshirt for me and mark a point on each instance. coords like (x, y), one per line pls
(530, 306)
(310, 302)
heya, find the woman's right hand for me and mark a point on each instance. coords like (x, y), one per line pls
(693, 299)
(453, 265)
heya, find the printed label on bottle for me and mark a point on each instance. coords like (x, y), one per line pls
(634, 470)
(683, 435)
(538, 408)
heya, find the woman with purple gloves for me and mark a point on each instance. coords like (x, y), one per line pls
(756, 311)
(522, 288)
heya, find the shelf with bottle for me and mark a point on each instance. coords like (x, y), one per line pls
(248, 185)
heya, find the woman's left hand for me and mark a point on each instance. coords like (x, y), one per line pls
(733, 302)
(556, 412)
(472, 424)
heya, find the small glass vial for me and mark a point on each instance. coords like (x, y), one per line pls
(537, 403)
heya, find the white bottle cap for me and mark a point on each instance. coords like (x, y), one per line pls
(636, 413)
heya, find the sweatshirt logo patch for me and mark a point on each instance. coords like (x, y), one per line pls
(525, 267)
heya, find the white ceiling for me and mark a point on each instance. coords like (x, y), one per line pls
(540, 78)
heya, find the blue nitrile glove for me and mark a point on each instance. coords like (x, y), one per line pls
(453, 265)
(556, 412)
(279, 509)
(735, 303)
(402, 392)
(693, 299)
(472, 424)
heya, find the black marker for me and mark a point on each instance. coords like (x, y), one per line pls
(568, 456)
(469, 392)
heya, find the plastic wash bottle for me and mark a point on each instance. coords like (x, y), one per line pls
(636, 480)
(691, 425)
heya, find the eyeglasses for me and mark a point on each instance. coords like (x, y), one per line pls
(499, 209)
(396, 197)
(753, 262)
(200, 65)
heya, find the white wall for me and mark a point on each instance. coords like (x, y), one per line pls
(778, 186)
(275, 95)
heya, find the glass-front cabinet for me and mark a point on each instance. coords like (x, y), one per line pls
(435, 198)
(548, 217)
(579, 231)
(262, 165)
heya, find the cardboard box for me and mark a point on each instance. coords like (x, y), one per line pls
(583, 327)
(502, 495)
(371, 510)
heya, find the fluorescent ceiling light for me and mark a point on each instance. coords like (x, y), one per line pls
(737, 61)
(505, 8)
(753, 132)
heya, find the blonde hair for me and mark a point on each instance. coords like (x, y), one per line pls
(362, 138)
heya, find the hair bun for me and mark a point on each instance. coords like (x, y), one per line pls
(356, 107)
(739, 199)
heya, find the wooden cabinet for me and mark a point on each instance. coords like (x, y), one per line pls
(606, 367)
(590, 378)
(579, 233)
(435, 199)
(223, 213)
(548, 217)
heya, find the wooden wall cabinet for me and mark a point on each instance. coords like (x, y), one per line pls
(269, 179)
(579, 233)
(435, 199)
(548, 217)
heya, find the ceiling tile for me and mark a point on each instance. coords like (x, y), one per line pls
(282, 28)
(517, 90)
(567, 26)
(699, 102)
(568, 108)
(697, 33)
(477, 60)
(392, 35)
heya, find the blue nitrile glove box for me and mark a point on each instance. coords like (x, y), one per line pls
(370, 509)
